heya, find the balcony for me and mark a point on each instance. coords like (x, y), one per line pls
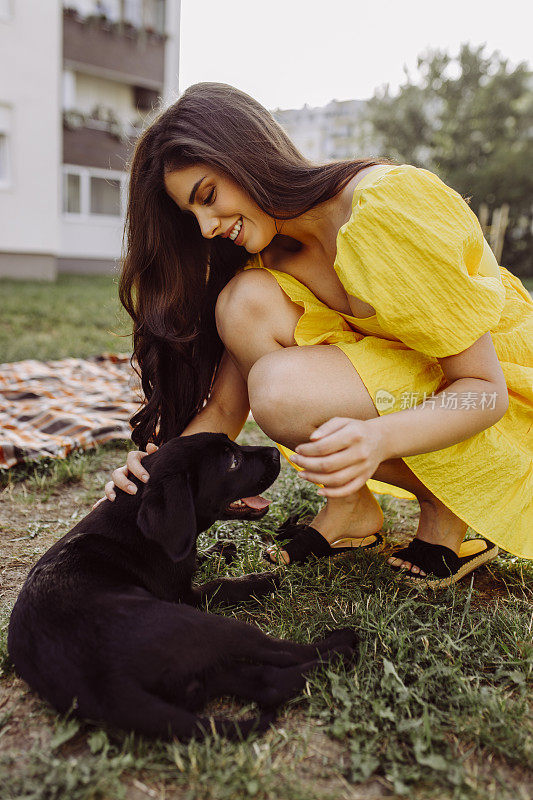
(114, 49)
(88, 143)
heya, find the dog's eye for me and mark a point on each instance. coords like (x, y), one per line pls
(234, 462)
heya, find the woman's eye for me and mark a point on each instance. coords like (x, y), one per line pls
(210, 197)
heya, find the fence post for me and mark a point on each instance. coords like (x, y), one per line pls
(494, 231)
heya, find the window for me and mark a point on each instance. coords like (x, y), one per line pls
(109, 8)
(145, 14)
(93, 193)
(148, 14)
(133, 12)
(154, 15)
(71, 193)
(105, 197)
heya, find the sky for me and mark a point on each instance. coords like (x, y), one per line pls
(286, 53)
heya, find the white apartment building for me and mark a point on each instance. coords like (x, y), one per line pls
(326, 133)
(30, 137)
(77, 80)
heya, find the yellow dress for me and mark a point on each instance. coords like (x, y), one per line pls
(414, 250)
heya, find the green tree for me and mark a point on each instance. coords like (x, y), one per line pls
(469, 118)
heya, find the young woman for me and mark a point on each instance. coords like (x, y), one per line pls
(354, 307)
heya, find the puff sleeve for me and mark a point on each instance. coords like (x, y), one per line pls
(412, 249)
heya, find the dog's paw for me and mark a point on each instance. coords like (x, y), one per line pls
(264, 582)
(226, 550)
(342, 637)
(344, 654)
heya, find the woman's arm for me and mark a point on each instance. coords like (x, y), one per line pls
(226, 412)
(475, 376)
(344, 453)
(228, 406)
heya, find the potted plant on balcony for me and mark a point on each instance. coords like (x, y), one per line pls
(100, 113)
(71, 13)
(73, 120)
(100, 20)
(153, 34)
(129, 30)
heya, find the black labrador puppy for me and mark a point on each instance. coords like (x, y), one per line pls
(106, 624)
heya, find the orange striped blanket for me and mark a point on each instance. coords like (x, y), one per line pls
(49, 408)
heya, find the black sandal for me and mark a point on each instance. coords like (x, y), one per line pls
(300, 541)
(442, 565)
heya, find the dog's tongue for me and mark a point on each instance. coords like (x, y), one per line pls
(256, 502)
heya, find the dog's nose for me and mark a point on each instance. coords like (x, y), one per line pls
(273, 463)
(274, 452)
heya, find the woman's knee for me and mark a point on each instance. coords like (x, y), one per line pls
(316, 380)
(244, 299)
(269, 384)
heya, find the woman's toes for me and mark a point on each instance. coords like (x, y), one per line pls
(278, 556)
(414, 570)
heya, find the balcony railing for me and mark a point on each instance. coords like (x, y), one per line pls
(103, 119)
(113, 48)
(141, 15)
(96, 145)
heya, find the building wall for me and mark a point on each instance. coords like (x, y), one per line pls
(30, 120)
(84, 240)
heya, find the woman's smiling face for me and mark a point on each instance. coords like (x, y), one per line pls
(219, 205)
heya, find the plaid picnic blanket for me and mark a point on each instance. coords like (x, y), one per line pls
(49, 408)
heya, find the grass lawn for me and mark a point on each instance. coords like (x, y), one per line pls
(438, 704)
(528, 283)
(77, 316)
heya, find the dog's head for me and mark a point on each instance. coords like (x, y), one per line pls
(193, 480)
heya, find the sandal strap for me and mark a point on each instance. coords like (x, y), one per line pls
(434, 559)
(300, 541)
(288, 529)
(307, 542)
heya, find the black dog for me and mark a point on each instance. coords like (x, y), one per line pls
(105, 623)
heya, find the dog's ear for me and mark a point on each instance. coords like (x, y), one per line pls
(167, 515)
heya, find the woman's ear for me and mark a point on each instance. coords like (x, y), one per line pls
(167, 515)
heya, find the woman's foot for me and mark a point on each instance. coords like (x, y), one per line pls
(353, 517)
(436, 525)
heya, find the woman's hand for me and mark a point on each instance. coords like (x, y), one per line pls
(120, 475)
(342, 454)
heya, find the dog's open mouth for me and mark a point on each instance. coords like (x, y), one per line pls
(248, 507)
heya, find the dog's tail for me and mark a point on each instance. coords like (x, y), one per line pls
(151, 716)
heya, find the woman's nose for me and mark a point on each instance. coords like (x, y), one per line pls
(208, 226)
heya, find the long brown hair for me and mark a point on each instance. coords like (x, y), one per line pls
(171, 275)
